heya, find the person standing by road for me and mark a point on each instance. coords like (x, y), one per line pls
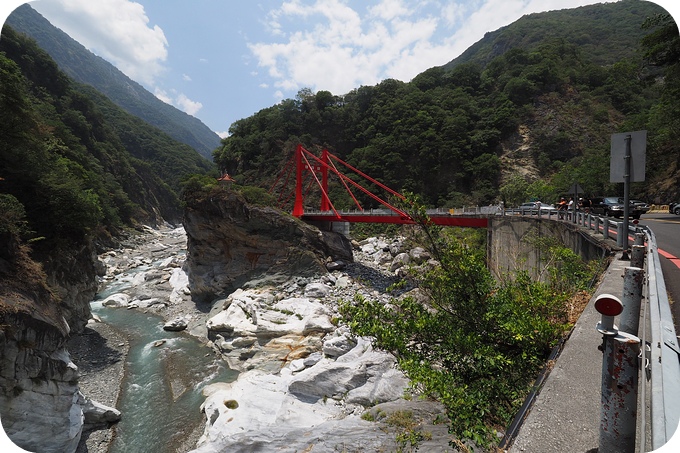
(570, 208)
(561, 208)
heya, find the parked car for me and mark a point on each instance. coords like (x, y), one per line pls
(639, 205)
(532, 208)
(613, 206)
(674, 208)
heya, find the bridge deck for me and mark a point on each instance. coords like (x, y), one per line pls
(386, 216)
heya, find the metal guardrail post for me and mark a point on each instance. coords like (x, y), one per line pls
(618, 411)
(605, 228)
(637, 256)
(639, 239)
(619, 234)
(633, 278)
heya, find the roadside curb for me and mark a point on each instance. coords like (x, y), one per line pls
(565, 415)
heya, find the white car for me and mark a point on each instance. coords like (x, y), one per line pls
(532, 208)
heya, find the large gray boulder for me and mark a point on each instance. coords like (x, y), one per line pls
(231, 243)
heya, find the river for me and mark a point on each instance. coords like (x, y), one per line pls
(165, 373)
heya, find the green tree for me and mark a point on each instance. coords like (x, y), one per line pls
(475, 343)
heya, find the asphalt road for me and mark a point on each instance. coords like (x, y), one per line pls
(666, 228)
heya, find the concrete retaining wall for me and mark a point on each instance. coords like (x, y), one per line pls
(511, 243)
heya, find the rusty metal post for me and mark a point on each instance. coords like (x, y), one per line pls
(639, 239)
(618, 413)
(632, 296)
(637, 256)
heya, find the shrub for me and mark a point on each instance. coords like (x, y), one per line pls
(257, 196)
(477, 344)
(12, 216)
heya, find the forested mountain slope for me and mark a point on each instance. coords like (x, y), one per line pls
(74, 162)
(87, 68)
(532, 120)
(617, 25)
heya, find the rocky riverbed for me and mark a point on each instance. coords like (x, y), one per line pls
(305, 384)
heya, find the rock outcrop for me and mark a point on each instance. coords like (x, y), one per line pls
(307, 383)
(231, 243)
(274, 285)
(41, 407)
(71, 273)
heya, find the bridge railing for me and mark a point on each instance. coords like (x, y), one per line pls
(474, 210)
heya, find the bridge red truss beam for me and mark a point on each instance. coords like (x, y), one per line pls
(305, 161)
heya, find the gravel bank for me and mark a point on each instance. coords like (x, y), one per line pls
(99, 352)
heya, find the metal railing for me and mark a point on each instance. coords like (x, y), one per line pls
(664, 363)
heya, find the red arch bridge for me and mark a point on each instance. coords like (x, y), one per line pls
(313, 172)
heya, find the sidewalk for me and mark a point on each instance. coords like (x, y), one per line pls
(565, 416)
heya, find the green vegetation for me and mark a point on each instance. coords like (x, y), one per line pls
(231, 404)
(256, 195)
(588, 27)
(72, 164)
(13, 219)
(478, 343)
(544, 103)
(86, 68)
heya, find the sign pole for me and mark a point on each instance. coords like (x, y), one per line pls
(627, 164)
(626, 192)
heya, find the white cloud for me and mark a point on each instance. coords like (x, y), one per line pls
(187, 105)
(389, 9)
(334, 48)
(223, 134)
(328, 45)
(117, 30)
(179, 100)
(186, 78)
(163, 96)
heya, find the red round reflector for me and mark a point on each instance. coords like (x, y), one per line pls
(608, 305)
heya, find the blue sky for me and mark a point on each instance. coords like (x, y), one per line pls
(223, 60)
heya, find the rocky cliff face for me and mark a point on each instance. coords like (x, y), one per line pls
(231, 243)
(39, 398)
(41, 407)
(72, 276)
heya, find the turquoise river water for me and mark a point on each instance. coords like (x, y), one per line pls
(161, 393)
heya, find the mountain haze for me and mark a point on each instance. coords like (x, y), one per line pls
(85, 67)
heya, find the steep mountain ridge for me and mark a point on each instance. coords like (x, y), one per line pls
(586, 26)
(85, 67)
